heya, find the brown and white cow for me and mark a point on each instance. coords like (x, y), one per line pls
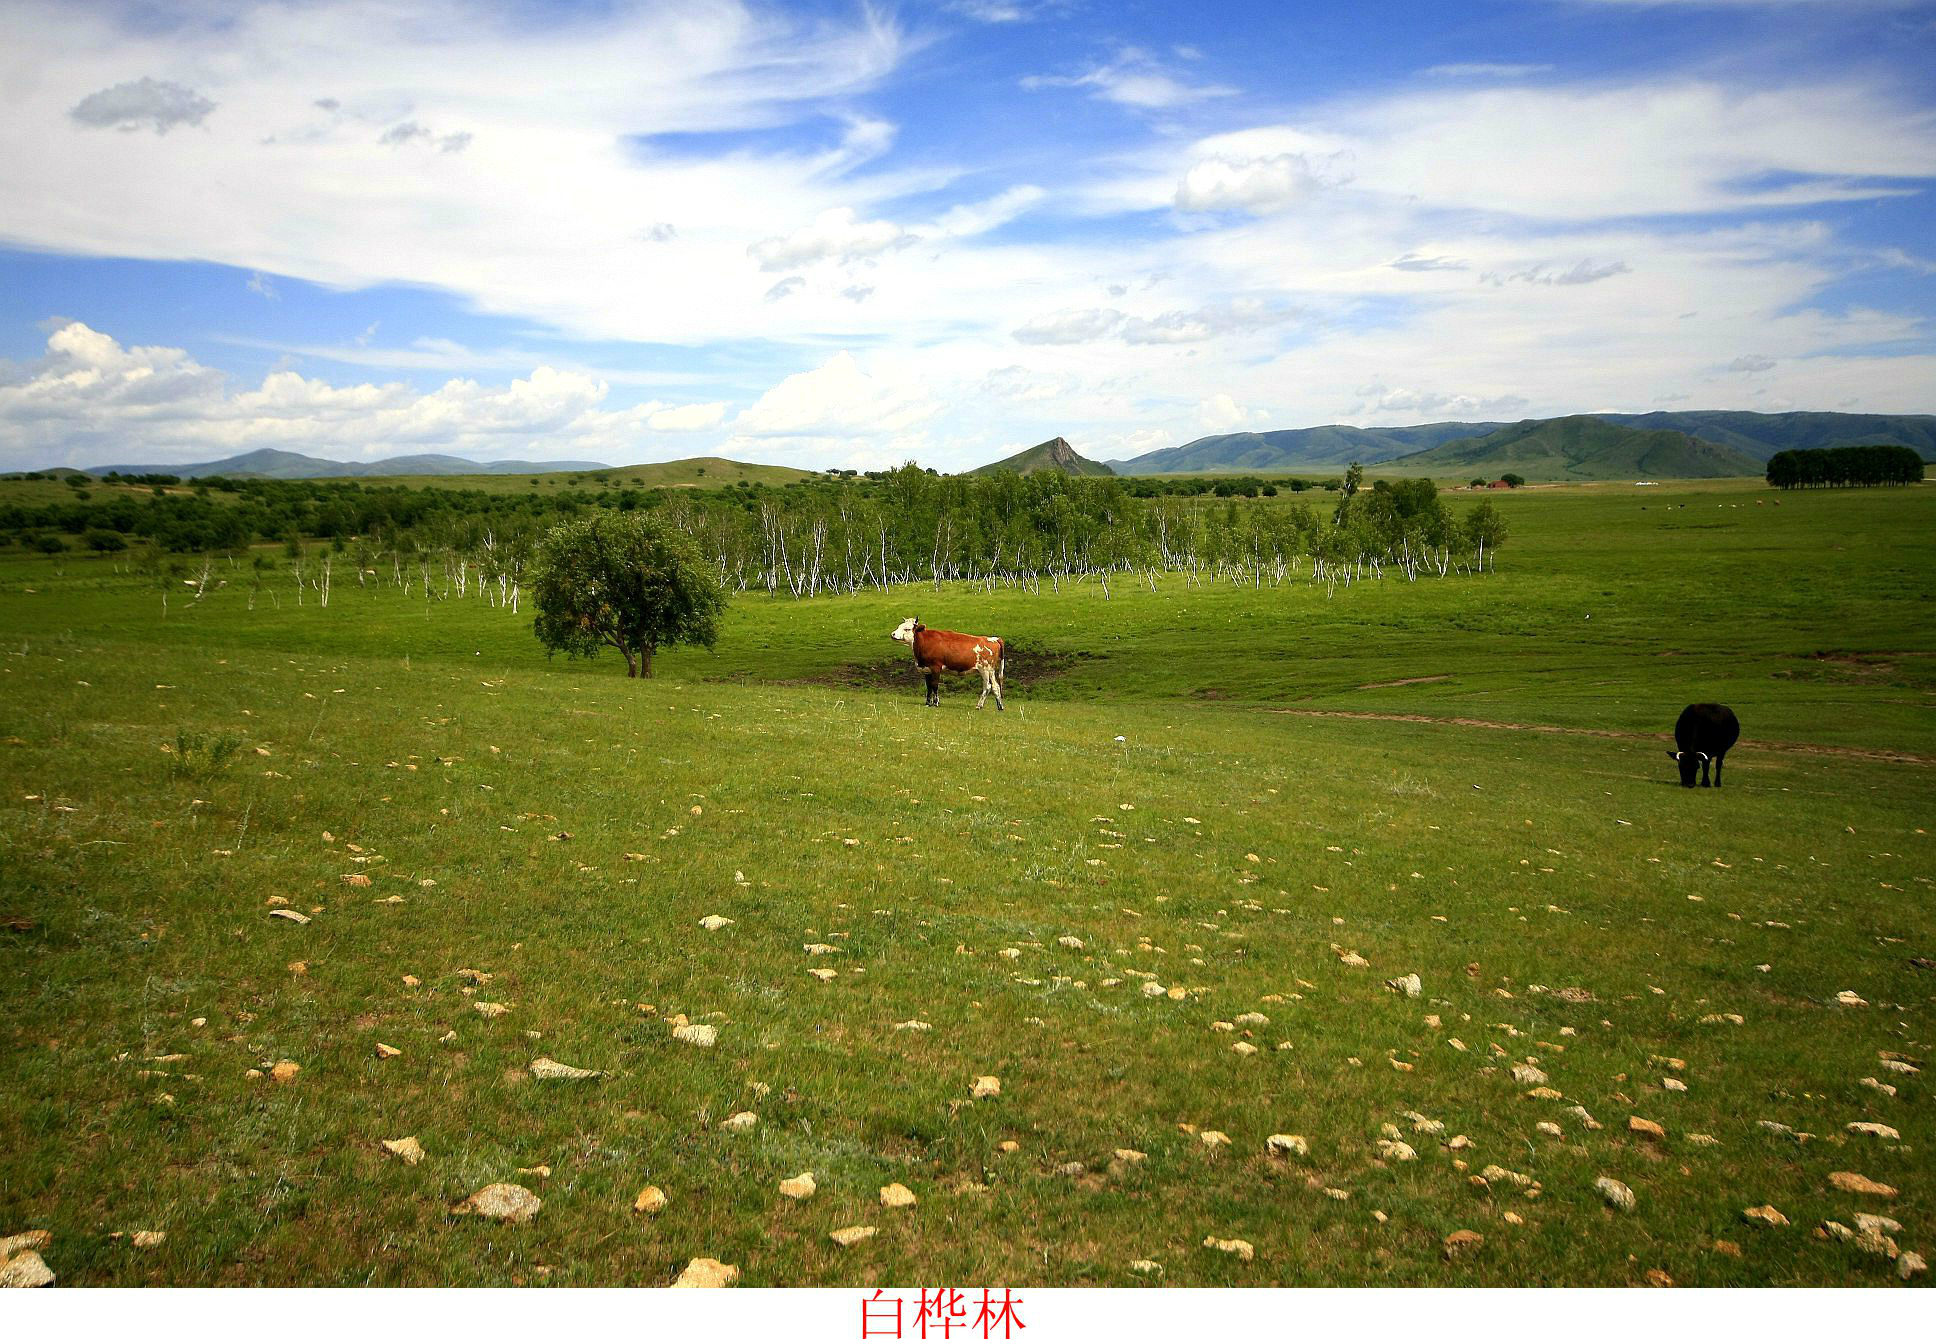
(958, 652)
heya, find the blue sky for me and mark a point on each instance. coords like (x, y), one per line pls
(846, 234)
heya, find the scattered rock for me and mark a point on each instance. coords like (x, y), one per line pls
(1765, 1215)
(1130, 1157)
(1909, 1265)
(1215, 1139)
(1243, 1048)
(406, 1148)
(1871, 1128)
(740, 1120)
(1550, 1130)
(502, 1202)
(1646, 1128)
(705, 1272)
(1875, 1222)
(39, 1239)
(1069, 941)
(285, 1071)
(650, 1201)
(851, 1236)
(1618, 1194)
(822, 973)
(1396, 1150)
(490, 1009)
(25, 1270)
(1659, 1278)
(799, 1187)
(1463, 1243)
(1243, 1250)
(714, 922)
(698, 1034)
(914, 1025)
(1288, 1145)
(1149, 1266)
(1848, 999)
(546, 1068)
(387, 1052)
(1408, 985)
(897, 1196)
(1348, 957)
(986, 1085)
(1528, 1074)
(1857, 1184)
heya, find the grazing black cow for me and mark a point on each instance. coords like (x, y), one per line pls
(1704, 733)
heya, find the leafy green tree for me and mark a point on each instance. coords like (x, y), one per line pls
(625, 580)
(1512, 480)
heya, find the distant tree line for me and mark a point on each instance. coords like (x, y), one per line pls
(826, 535)
(1845, 467)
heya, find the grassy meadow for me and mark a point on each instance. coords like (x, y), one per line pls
(1228, 794)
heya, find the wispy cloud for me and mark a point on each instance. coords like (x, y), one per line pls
(1134, 79)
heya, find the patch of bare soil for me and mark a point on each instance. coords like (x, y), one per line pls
(1772, 745)
(1027, 666)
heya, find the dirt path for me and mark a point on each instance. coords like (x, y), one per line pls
(1772, 745)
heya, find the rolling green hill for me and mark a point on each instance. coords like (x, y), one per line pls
(1757, 435)
(1583, 447)
(1297, 448)
(1762, 435)
(1054, 454)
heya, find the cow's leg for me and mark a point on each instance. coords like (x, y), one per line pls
(1717, 769)
(987, 682)
(934, 688)
(1704, 767)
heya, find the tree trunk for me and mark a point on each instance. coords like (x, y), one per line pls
(645, 661)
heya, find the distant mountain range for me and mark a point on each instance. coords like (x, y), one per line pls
(272, 464)
(1584, 447)
(1054, 454)
(1756, 436)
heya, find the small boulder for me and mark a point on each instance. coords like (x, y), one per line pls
(851, 1236)
(1288, 1145)
(986, 1085)
(502, 1203)
(1618, 1194)
(1463, 1243)
(1236, 1246)
(698, 1034)
(407, 1149)
(1857, 1184)
(799, 1187)
(25, 1270)
(1408, 985)
(1765, 1215)
(705, 1272)
(650, 1201)
(897, 1196)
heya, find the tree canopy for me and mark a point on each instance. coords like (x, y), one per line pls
(623, 579)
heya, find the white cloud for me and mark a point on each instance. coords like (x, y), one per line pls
(837, 234)
(1220, 414)
(1079, 325)
(1487, 70)
(156, 103)
(1580, 272)
(1259, 185)
(1751, 362)
(838, 400)
(1133, 79)
(92, 401)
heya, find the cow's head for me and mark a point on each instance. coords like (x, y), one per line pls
(905, 633)
(1690, 762)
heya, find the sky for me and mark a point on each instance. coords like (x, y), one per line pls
(852, 234)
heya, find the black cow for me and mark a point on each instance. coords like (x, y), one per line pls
(1704, 733)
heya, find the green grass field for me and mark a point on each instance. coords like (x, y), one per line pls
(1014, 881)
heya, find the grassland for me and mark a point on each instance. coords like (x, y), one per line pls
(792, 783)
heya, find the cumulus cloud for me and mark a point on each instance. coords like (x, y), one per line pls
(1073, 325)
(1220, 413)
(145, 102)
(837, 234)
(91, 400)
(1751, 362)
(786, 288)
(839, 399)
(1258, 185)
(1377, 399)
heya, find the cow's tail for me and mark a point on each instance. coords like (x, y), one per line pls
(1001, 666)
